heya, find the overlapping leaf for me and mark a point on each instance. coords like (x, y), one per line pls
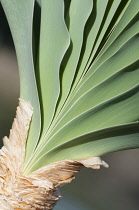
(54, 41)
(105, 89)
(93, 144)
(87, 74)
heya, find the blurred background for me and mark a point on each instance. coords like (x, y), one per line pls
(115, 188)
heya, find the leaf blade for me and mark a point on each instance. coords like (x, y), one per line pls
(93, 144)
(20, 17)
(54, 38)
(78, 15)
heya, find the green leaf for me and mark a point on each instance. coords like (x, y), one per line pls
(20, 17)
(90, 34)
(97, 109)
(110, 11)
(54, 41)
(131, 30)
(99, 84)
(126, 55)
(78, 15)
(93, 144)
(126, 21)
(111, 87)
(128, 32)
(86, 61)
(120, 110)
